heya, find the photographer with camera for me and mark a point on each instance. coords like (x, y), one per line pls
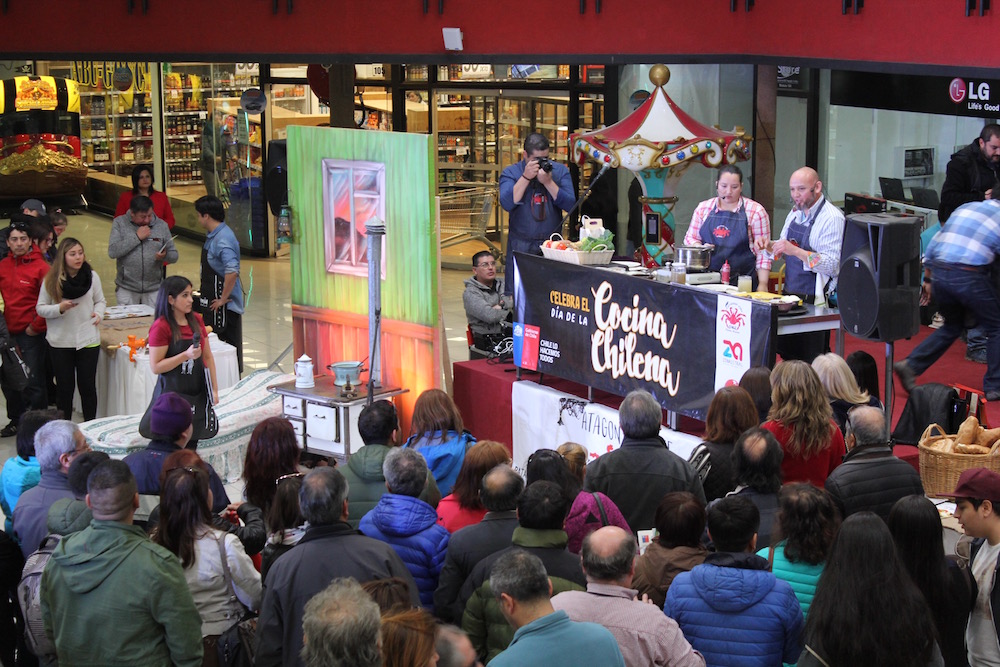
(535, 192)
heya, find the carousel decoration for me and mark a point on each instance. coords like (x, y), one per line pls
(658, 142)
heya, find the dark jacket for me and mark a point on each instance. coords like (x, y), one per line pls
(721, 477)
(32, 511)
(147, 464)
(637, 475)
(967, 178)
(658, 566)
(735, 612)
(483, 621)
(363, 473)
(872, 479)
(324, 553)
(466, 548)
(409, 525)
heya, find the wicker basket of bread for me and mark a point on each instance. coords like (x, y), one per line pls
(944, 457)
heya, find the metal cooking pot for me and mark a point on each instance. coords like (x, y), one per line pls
(346, 370)
(695, 257)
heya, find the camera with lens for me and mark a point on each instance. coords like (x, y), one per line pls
(544, 164)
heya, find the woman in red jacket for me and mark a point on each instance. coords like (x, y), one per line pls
(802, 421)
(142, 184)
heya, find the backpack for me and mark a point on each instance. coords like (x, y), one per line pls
(29, 597)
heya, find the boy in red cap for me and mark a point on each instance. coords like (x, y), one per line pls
(977, 499)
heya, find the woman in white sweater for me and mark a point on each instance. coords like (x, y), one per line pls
(72, 302)
(221, 591)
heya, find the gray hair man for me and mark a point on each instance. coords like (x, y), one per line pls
(57, 443)
(341, 627)
(543, 635)
(637, 475)
(329, 549)
(870, 478)
(454, 648)
(408, 524)
(644, 634)
(89, 570)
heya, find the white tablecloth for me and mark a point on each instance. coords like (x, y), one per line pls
(125, 387)
(543, 418)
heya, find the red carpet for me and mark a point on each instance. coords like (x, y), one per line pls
(951, 368)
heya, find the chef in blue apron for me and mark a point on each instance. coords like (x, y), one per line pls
(733, 224)
(810, 243)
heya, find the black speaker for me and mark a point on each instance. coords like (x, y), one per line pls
(879, 288)
(276, 175)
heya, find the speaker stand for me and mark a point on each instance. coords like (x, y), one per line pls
(890, 348)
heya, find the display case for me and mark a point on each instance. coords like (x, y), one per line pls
(466, 131)
(520, 116)
(186, 90)
(236, 173)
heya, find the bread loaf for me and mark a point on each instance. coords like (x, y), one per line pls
(987, 437)
(968, 431)
(971, 449)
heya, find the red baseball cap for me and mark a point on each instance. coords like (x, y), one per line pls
(979, 483)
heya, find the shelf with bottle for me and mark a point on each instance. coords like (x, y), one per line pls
(184, 174)
(195, 112)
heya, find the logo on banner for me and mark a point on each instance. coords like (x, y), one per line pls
(526, 345)
(732, 341)
(956, 90)
(733, 350)
(733, 318)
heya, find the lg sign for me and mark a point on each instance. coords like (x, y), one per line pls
(978, 94)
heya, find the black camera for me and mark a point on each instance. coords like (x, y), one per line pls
(544, 164)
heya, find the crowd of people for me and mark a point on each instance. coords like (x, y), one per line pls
(797, 537)
(433, 550)
(54, 301)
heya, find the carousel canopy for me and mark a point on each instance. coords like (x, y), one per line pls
(659, 135)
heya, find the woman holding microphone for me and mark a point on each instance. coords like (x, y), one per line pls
(732, 223)
(179, 353)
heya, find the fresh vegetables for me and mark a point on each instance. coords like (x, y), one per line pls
(588, 244)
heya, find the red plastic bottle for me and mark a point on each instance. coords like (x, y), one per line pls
(724, 273)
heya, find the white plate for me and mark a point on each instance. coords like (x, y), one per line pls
(715, 287)
(628, 265)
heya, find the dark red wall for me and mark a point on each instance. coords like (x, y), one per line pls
(933, 32)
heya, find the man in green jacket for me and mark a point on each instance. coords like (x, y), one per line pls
(378, 426)
(112, 597)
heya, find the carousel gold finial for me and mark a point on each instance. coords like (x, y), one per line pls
(659, 75)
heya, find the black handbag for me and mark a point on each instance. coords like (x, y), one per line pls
(15, 371)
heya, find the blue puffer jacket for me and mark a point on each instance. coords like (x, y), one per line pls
(444, 455)
(410, 527)
(735, 612)
(802, 576)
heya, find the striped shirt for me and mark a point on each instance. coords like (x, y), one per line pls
(826, 236)
(757, 221)
(971, 236)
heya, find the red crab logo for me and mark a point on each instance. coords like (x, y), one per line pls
(721, 232)
(733, 318)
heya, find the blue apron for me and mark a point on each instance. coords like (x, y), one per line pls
(729, 232)
(797, 279)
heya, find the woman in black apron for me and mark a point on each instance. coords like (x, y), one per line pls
(727, 227)
(179, 353)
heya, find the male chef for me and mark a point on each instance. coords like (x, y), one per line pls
(810, 243)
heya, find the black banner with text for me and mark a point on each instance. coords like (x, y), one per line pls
(617, 333)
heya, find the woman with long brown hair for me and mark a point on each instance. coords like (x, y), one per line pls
(72, 303)
(185, 529)
(730, 413)
(462, 506)
(802, 421)
(272, 452)
(439, 434)
(408, 639)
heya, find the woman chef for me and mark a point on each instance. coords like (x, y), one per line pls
(732, 223)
